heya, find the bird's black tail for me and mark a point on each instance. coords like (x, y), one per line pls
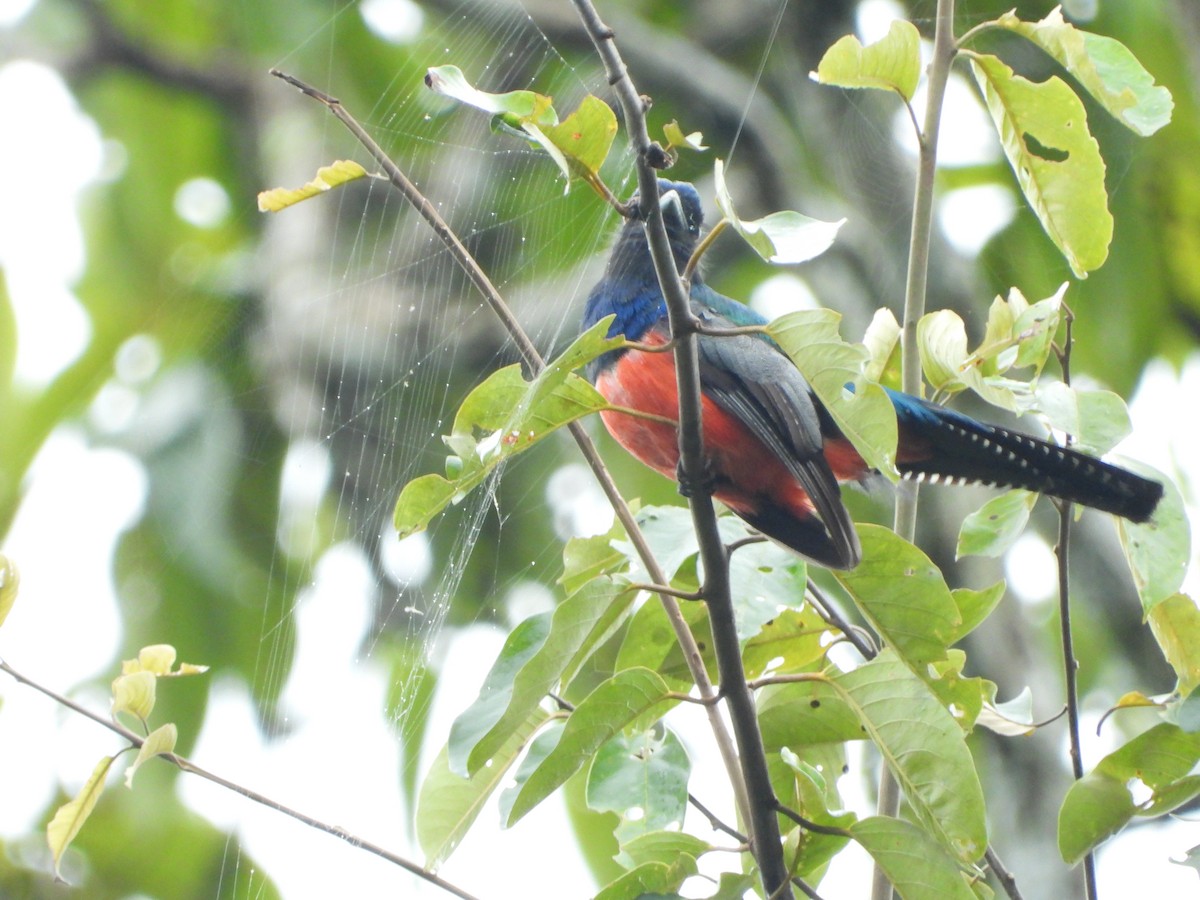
(945, 446)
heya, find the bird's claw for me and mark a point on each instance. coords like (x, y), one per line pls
(690, 485)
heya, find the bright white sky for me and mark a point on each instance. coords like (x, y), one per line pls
(340, 764)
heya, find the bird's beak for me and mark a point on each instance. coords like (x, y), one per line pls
(671, 205)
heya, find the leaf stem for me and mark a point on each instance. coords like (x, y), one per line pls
(759, 811)
(186, 765)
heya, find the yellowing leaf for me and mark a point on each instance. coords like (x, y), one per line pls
(157, 658)
(10, 580)
(585, 136)
(676, 139)
(134, 694)
(1043, 129)
(1104, 67)
(891, 63)
(1175, 623)
(328, 177)
(160, 740)
(71, 815)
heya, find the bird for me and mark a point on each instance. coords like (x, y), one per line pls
(772, 452)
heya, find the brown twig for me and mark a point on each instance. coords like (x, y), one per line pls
(186, 765)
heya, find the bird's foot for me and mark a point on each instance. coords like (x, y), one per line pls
(690, 485)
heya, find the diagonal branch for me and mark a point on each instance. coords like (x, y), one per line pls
(760, 814)
(536, 363)
(186, 765)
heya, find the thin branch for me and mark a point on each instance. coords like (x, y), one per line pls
(759, 813)
(828, 611)
(665, 589)
(809, 825)
(905, 523)
(533, 359)
(1003, 875)
(715, 822)
(1062, 553)
(186, 765)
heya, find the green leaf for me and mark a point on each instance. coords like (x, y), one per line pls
(1043, 129)
(71, 815)
(328, 177)
(975, 606)
(993, 528)
(643, 772)
(652, 879)
(519, 106)
(790, 642)
(650, 643)
(1098, 420)
(785, 237)
(590, 557)
(661, 846)
(160, 740)
(882, 340)
(1104, 67)
(810, 793)
(1101, 803)
(924, 748)
(949, 367)
(917, 866)
(481, 719)
(806, 714)
(904, 596)
(1157, 551)
(10, 581)
(891, 63)
(634, 696)
(865, 415)
(1175, 623)
(504, 416)
(529, 667)
(448, 803)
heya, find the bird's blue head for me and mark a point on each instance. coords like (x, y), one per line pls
(683, 216)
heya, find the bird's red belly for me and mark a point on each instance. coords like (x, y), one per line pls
(744, 469)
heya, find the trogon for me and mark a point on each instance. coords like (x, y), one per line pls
(772, 451)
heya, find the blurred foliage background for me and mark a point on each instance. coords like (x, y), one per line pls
(225, 349)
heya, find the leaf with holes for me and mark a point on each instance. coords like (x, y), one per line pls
(1101, 803)
(633, 698)
(1104, 67)
(1043, 129)
(993, 528)
(643, 778)
(891, 63)
(924, 748)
